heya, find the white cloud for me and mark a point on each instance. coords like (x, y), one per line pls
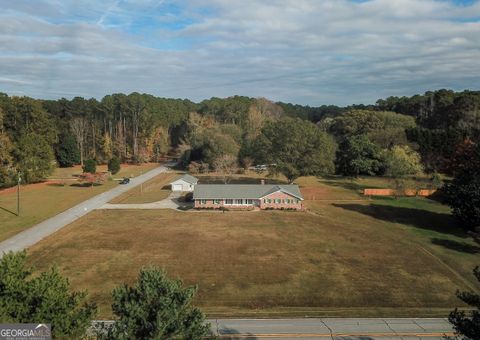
(306, 51)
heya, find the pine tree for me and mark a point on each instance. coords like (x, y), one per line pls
(27, 298)
(156, 307)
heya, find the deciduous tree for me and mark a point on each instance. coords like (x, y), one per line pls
(357, 155)
(401, 162)
(296, 148)
(79, 126)
(226, 166)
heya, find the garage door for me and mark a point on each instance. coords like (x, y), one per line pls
(177, 187)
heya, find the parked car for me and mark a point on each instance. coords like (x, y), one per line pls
(125, 181)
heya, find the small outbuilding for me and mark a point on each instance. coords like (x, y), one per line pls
(185, 182)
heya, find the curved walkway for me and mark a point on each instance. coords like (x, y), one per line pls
(38, 232)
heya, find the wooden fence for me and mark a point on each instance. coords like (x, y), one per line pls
(406, 192)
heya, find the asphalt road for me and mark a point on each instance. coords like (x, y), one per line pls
(29, 237)
(332, 328)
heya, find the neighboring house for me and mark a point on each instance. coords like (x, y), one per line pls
(248, 196)
(184, 183)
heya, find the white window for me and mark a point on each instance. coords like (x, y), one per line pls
(249, 201)
(239, 201)
(216, 201)
(203, 201)
(230, 202)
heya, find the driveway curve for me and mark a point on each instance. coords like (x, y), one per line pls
(29, 237)
(171, 202)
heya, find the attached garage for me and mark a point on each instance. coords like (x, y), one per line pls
(177, 187)
(184, 183)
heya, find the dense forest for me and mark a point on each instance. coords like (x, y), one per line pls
(422, 131)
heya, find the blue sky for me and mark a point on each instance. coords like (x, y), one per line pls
(302, 51)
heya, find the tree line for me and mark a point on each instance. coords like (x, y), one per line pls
(37, 135)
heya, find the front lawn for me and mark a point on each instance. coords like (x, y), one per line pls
(44, 200)
(347, 256)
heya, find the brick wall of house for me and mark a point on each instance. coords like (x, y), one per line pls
(210, 204)
(264, 203)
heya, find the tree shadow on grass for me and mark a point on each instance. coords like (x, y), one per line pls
(418, 218)
(462, 247)
(342, 182)
(56, 184)
(85, 185)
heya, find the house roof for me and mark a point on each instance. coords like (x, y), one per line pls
(232, 191)
(186, 178)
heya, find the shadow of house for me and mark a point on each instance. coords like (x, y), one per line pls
(462, 247)
(418, 218)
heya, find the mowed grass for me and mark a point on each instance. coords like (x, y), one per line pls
(153, 190)
(381, 257)
(43, 200)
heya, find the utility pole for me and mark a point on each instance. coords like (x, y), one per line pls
(18, 194)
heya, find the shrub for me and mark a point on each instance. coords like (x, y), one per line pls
(114, 165)
(90, 166)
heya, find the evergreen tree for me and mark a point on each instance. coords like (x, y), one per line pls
(67, 151)
(156, 307)
(6, 159)
(463, 193)
(467, 324)
(27, 298)
(114, 165)
(90, 166)
(35, 158)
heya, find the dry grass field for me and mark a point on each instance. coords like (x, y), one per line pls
(346, 256)
(43, 200)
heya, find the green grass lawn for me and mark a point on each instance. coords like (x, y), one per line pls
(346, 256)
(43, 200)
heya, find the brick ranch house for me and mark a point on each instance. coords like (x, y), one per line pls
(247, 196)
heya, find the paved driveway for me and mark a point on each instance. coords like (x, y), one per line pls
(171, 202)
(34, 234)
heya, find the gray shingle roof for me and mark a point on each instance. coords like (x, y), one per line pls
(232, 191)
(187, 178)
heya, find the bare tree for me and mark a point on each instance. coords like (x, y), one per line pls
(79, 126)
(136, 106)
(226, 166)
